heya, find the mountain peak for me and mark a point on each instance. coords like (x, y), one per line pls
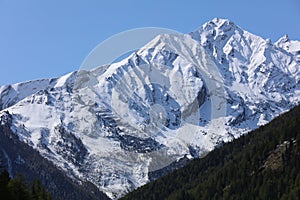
(218, 23)
(291, 46)
(284, 39)
(217, 29)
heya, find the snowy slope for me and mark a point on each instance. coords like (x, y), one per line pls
(178, 96)
(11, 94)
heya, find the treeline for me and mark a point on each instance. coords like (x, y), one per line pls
(264, 164)
(17, 189)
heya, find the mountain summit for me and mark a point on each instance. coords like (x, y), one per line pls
(174, 99)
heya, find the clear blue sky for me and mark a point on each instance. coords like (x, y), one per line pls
(43, 39)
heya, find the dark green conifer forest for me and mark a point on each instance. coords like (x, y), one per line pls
(17, 189)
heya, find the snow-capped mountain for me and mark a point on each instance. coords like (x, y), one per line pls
(177, 97)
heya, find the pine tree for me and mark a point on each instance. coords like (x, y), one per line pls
(18, 188)
(4, 180)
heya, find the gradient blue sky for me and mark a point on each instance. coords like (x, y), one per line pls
(44, 39)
